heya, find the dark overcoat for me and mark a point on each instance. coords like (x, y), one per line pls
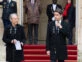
(57, 40)
(10, 33)
(8, 8)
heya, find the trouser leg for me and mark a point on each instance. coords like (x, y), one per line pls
(52, 55)
(35, 33)
(70, 35)
(60, 60)
(30, 31)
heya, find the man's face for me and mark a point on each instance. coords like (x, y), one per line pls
(57, 16)
(14, 19)
(54, 1)
(68, 1)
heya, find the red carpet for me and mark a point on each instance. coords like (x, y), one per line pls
(37, 53)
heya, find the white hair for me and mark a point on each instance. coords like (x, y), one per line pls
(12, 15)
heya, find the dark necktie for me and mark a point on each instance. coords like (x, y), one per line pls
(57, 28)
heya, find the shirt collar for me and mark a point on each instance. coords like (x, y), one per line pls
(59, 21)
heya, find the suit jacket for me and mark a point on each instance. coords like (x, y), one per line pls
(8, 8)
(57, 40)
(33, 12)
(50, 11)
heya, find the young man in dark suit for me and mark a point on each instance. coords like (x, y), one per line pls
(9, 7)
(51, 8)
(57, 32)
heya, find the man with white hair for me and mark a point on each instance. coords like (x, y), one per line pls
(14, 34)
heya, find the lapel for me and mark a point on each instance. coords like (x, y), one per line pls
(52, 8)
(53, 23)
(62, 22)
(10, 3)
(56, 6)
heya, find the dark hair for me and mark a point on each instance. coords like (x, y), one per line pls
(58, 10)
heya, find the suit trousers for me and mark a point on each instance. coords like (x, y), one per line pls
(33, 33)
(53, 56)
(70, 37)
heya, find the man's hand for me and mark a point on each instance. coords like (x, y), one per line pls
(22, 43)
(14, 41)
(48, 52)
(59, 25)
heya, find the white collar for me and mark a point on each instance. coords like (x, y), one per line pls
(32, 1)
(59, 21)
(54, 6)
(9, 1)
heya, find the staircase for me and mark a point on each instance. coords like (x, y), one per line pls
(37, 53)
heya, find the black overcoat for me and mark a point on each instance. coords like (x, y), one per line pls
(8, 8)
(57, 40)
(11, 33)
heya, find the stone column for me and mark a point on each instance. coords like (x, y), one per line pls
(79, 29)
(2, 45)
(20, 10)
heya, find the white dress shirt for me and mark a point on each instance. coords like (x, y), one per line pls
(9, 1)
(56, 26)
(54, 8)
(58, 22)
(32, 1)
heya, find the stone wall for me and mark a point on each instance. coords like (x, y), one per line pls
(79, 29)
(2, 45)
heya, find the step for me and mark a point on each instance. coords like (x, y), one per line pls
(43, 51)
(35, 51)
(47, 61)
(46, 57)
(72, 52)
(70, 47)
(34, 46)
